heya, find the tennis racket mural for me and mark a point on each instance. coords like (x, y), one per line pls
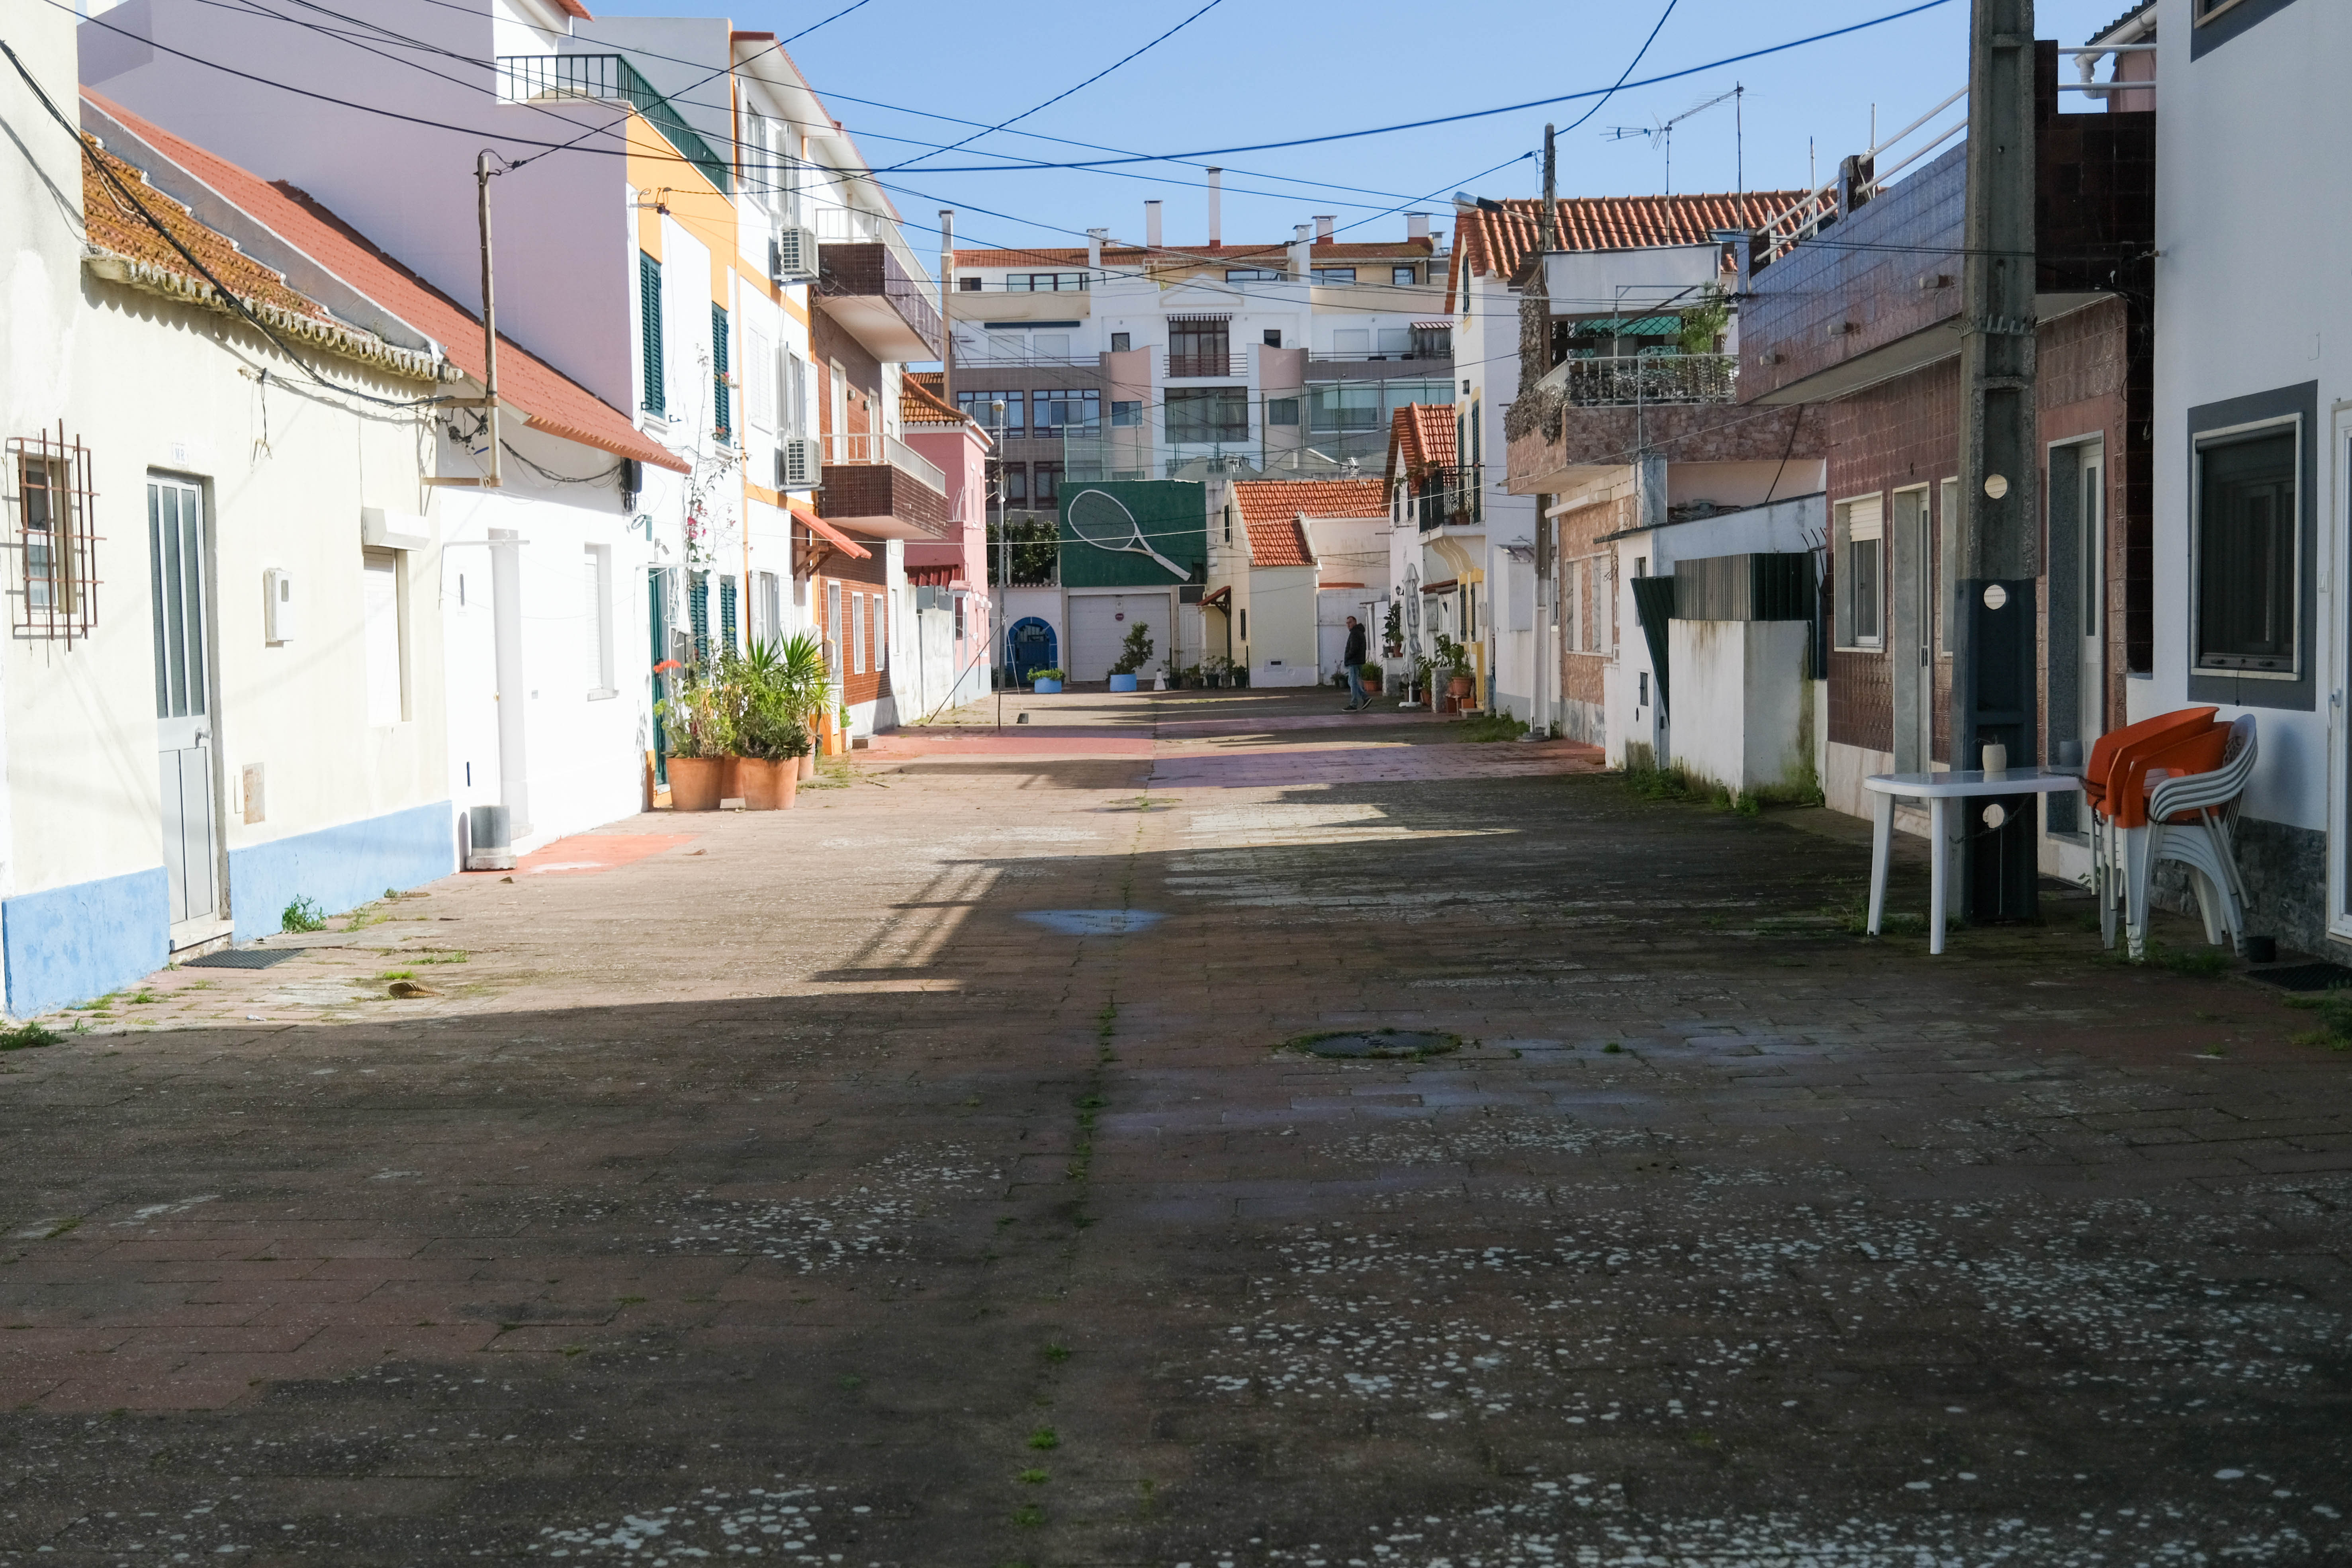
(1100, 519)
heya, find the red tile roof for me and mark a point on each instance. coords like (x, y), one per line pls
(1271, 509)
(551, 401)
(1496, 243)
(919, 402)
(114, 226)
(1420, 437)
(1133, 255)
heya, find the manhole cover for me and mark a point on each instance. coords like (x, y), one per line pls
(244, 958)
(1377, 1043)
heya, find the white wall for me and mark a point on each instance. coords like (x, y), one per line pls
(1740, 699)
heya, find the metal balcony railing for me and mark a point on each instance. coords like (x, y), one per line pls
(877, 448)
(1449, 497)
(1622, 381)
(540, 79)
(1213, 364)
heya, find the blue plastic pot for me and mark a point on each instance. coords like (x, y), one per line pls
(1122, 683)
(1044, 687)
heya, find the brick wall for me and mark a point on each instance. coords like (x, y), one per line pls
(829, 345)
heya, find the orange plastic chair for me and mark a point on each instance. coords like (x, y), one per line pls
(2114, 780)
(2102, 753)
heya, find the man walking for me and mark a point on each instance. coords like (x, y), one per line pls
(1357, 698)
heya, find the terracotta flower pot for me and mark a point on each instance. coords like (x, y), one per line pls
(694, 783)
(1458, 687)
(767, 786)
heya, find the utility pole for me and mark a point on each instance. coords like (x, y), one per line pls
(1537, 301)
(1996, 660)
(488, 402)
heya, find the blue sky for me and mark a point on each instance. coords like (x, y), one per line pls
(1249, 72)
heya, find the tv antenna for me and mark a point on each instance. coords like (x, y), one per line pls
(1662, 132)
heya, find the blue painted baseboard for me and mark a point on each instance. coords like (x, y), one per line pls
(340, 867)
(72, 943)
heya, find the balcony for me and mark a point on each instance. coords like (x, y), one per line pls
(879, 486)
(1449, 497)
(1214, 363)
(608, 78)
(1628, 381)
(861, 284)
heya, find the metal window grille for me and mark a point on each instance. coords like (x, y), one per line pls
(649, 306)
(55, 545)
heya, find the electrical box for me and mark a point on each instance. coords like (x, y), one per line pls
(278, 605)
(804, 463)
(796, 255)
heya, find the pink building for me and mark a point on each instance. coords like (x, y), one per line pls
(948, 577)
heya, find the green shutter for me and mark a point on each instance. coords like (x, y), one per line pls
(723, 421)
(656, 620)
(698, 612)
(727, 614)
(649, 308)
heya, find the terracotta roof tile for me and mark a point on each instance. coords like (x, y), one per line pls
(551, 401)
(1496, 243)
(1271, 509)
(1420, 437)
(1135, 254)
(919, 402)
(112, 224)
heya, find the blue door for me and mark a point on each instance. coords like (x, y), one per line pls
(1030, 644)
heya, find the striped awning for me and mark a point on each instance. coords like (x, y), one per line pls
(1433, 326)
(1203, 316)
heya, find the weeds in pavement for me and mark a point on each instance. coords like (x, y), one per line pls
(1033, 1477)
(1057, 1352)
(143, 997)
(1647, 781)
(2334, 1010)
(1044, 1439)
(1614, 1048)
(28, 1037)
(1490, 727)
(303, 914)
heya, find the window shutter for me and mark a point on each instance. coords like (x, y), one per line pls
(723, 417)
(727, 614)
(649, 306)
(697, 616)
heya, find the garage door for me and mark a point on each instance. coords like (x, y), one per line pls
(1099, 627)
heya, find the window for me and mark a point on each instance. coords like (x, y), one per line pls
(1046, 493)
(837, 383)
(1335, 274)
(1044, 283)
(722, 405)
(1016, 484)
(1433, 343)
(977, 406)
(1861, 529)
(1079, 411)
(58, 550)
(726, 643)
(1125, 415)
(1197, 346)
(650, 367)
(759, 379)
(1198, 414)
(1282, 411)
(1396, 340)
(960, 633)
(2247, 552)
(795, 421)
(881, 632)
(1119, 342)
(380, 631)
(858, 634)
(1948, 550)
(1273, 337)
(833, 629)
(771, 607)
(1251, 274)
(1351, 341)
(1334, 408)
(968, 285)
(596, 619)
(1401, 276)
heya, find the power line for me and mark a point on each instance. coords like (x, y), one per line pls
(1057, 98)
(1638, 56)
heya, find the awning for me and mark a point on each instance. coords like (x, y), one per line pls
(1433, 326)
(1445, 587)
(932, 576)
(1219, 600)
(1203, 316)
(832, 535)
(1634, 326)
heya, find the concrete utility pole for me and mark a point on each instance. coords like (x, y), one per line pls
(1548, 660)
(1996, 660)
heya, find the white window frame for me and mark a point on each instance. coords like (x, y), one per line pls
(856, 634)
(596, 620)
(1860, 521)
(2229, 436)
(394, 561)
(1948, 562)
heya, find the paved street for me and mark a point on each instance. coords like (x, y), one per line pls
(920, 1178)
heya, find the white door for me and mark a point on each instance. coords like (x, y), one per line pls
(2092, 578)
(1099, 627)
(175, 537)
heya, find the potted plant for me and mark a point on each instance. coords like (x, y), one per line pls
(1369, 674)
(1218, 667)
(698, 722)
(1133, 655)
(1046, 681)
(1455, 659)
(807, 685)
(772, 733)
(1392, 632)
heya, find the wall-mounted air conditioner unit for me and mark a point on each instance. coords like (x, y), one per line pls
(800, 463)
(796, 257)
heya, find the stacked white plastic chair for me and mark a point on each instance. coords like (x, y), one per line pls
(2209, 801)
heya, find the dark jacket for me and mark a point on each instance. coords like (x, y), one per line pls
(1355, 654)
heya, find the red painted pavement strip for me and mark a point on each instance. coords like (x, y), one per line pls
(584, 854)
(1091, 743)
(1327, 764)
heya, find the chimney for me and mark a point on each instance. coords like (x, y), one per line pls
(1095, 238)
(1300, 262)
(947, 303)
(1216, 207)
(1152, 225)
(1416, 225)
(1323, 221)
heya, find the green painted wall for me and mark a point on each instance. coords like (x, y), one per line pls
(1173, 515)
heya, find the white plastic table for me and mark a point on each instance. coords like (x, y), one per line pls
(1938, 790)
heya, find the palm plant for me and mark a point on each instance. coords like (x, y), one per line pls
(802, 674)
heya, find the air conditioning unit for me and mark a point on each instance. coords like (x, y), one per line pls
(796, 257)
(800, 463)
